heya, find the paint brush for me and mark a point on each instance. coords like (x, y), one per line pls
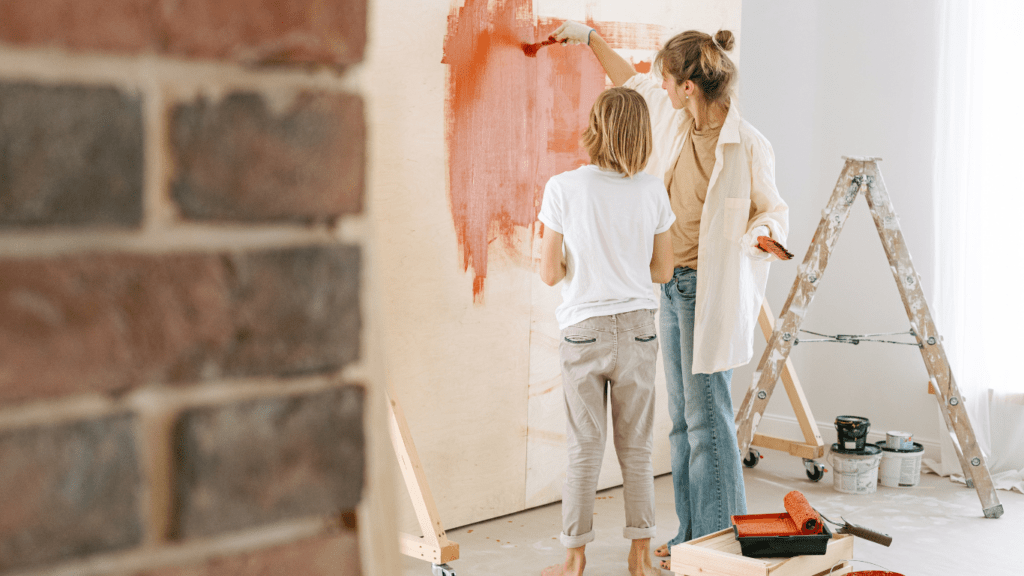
(766, 244)
(532, 49)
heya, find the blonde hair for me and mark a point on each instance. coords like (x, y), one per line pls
(698, 57)
(618, 136)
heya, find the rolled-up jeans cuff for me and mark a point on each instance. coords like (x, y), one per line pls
(631, 533)
(577, 541)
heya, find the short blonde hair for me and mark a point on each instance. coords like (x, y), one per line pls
(618, 136)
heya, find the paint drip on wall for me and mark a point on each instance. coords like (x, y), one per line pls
(513, 121)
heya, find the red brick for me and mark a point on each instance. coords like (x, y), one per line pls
(267, 31)
(254, 32)
(68, 491)
(336, 555)
(235, 159)
(257, 462)
(70, 156)
(125, 26)
(295, 311)
(112, 322)
(109, 322)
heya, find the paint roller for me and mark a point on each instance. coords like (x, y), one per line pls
(808, 520)
(804, 516)
(800, 519)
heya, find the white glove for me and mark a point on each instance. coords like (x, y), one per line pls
(749, 244)
(573, 33)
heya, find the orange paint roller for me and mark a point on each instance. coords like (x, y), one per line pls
(804, 517)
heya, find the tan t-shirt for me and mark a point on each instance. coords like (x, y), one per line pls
(687, 189)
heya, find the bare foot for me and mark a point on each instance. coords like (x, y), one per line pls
(662, 551)
(575, 561)
(640, 559)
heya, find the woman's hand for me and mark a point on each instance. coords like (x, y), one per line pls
(617, 68)
(573, 33)
(750, 247)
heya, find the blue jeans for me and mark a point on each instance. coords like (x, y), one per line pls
(707, 473)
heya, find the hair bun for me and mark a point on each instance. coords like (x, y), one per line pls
(725, 39)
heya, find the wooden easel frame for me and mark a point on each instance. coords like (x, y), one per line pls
(861, 175)
(434, 545)
(812, 447)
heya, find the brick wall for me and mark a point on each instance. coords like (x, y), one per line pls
(183, 328)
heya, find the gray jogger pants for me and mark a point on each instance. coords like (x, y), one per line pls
(609, 358)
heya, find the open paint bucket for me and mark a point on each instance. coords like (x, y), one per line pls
(852, 432)
(855, 471)
(900, 467)
(899, 440)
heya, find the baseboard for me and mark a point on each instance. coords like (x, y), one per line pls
(788, 427)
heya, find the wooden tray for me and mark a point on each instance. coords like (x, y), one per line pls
(718, 554)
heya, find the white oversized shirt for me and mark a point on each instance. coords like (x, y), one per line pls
(730, 285)
(608, 222)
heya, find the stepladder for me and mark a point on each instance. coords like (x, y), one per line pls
(861, 176)
(434, 545)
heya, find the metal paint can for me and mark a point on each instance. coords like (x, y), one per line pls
(852, 432)
(897, 440)
(900, 467)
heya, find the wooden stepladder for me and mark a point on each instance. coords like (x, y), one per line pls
(861, 175)
(434, 545)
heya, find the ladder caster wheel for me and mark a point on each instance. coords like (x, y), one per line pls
(815, 471)
(441, 570)
(753, 457)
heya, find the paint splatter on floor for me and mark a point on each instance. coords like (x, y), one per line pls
(513, 121)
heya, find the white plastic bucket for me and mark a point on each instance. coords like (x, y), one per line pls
(855, 473)
(900, 467)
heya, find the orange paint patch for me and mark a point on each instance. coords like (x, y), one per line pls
(642, 67)
(513, 121)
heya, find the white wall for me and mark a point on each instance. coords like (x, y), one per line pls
(822, 80)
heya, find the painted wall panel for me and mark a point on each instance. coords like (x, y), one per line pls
(465, 130)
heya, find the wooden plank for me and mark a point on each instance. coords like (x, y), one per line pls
(806, 283)
(839, 548)
(697, 560)
(789, 446)
(415, 479)
(418, 547)
(932, 351)
(718, 554)
(801, 408)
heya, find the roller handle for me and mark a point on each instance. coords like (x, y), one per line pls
(867, 534)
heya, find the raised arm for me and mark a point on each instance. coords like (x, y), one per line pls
(617, 67)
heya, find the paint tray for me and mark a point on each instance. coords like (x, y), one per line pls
(784, 543)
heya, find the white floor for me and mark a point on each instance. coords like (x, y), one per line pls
(937, 527)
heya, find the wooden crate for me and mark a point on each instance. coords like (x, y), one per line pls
(719, 554)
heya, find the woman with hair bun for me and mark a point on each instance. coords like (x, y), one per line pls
(720, 175)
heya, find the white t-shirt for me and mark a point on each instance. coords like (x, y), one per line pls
(608, 223)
